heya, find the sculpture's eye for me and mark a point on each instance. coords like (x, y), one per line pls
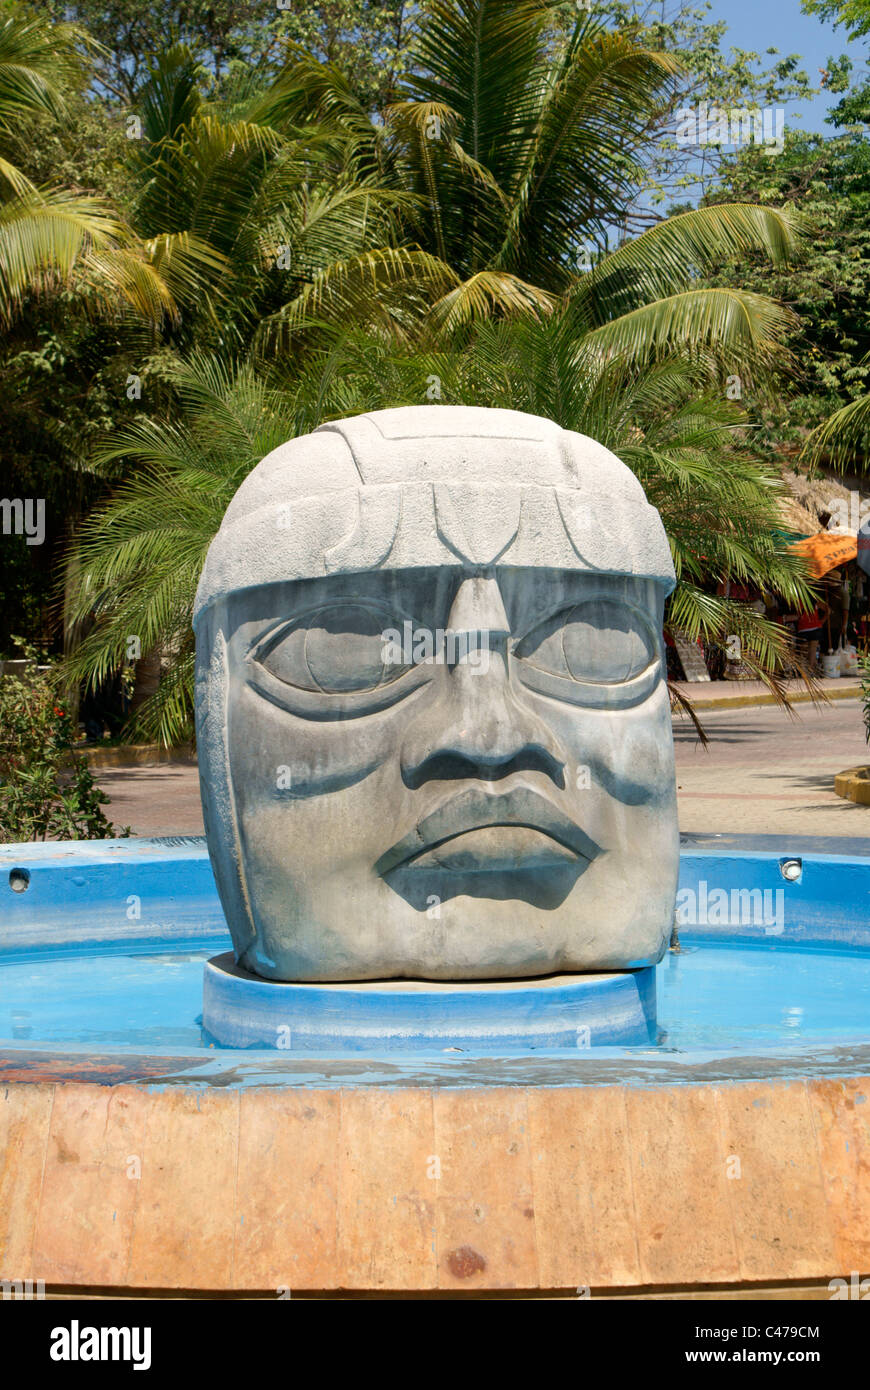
(343, 649)
(599, 642)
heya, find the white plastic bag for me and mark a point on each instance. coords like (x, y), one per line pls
(831, 663)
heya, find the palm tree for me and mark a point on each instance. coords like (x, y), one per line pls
(522, 144)
(533, 132)
(53, 237)
(240, 211)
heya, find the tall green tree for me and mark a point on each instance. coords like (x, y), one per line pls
(826, 181)
(514, 147)
(524, 146)
(51, 236)
(72, 272)
(844, 438)
(232, 38)
(854, 15)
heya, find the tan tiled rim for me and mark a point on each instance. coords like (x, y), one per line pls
(629, 1190)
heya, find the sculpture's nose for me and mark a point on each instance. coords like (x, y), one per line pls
(480, 728)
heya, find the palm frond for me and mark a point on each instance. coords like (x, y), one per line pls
(844, 438)
(38, 61)
(188, 266)
(665, 259)
(50, 237)
(746, 328)
(387, 286)
(579, 165)
(485, 294)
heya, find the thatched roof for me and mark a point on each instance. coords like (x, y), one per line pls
(810, 502)
(797, 518)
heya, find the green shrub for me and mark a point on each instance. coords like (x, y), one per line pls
(46, 791)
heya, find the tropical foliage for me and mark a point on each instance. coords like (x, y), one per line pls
(47, 235)
(318, 239)
(826, 181)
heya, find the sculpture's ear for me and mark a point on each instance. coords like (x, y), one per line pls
(215, 784)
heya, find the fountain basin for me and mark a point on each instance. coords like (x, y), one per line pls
(602, 1167)
(104, 946)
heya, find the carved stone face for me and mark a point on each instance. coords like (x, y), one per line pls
(460, 770)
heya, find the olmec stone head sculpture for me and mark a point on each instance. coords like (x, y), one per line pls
(433, 724)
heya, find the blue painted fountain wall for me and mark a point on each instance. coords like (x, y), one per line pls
(147, 893)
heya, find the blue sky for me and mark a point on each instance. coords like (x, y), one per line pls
(762, 24)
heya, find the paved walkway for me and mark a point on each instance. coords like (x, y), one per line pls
(764, 772)
(768, 772)
(157, 800)
(721, 694)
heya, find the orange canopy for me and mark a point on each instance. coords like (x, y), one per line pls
(826, 550)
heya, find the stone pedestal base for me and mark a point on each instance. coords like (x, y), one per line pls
(382, 1016)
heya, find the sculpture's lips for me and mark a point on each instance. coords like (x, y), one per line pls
(477, 831)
